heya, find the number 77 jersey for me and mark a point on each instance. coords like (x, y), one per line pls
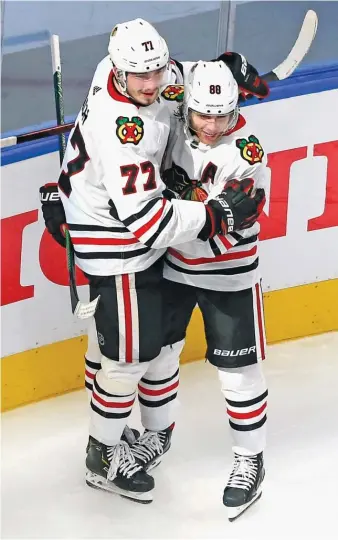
(110, 183)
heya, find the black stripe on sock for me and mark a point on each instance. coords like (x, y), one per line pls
(162, 381)
(109, 414)
(153, 404)
(104, 393)
(249, 402)
(248, 427)
(93, 365)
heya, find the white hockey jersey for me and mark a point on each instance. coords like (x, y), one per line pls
(224, 263)
(110, 183)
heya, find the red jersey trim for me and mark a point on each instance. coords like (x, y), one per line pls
(114, 93)
(240, 124)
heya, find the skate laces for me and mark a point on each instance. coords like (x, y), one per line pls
(244, 472)
(121, 460)
(149, 445)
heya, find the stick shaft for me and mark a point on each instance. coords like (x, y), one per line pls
(58, 91)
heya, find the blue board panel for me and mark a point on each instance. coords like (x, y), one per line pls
(306, 80)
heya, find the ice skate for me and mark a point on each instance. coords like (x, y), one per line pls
(129, 435)
(244, 485)
(115, 469)
(151, 446)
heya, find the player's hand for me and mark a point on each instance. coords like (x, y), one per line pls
(169, 194)
(53, 212)
(176, 179)
(246, 75)
(260, 199)
(235, 208)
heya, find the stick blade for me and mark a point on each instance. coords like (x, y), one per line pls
(86, 310)
(299, 50)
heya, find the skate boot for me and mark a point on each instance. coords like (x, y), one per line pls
(129, 436)
(114, 469)
(244, 485)
(150, 447)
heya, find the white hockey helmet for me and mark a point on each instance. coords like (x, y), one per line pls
(211, 90)
(136, 47)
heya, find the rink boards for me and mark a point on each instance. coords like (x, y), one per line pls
(43, 344)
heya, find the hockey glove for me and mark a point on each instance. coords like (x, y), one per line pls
(169, 194)
(53, 212)
(233, 209)
(176, 179)
(249, 82)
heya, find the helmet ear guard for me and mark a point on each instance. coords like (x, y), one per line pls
(121, 77)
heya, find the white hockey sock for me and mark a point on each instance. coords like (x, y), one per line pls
(113, 396)
(246, 393)
(92, 358)
(157, 390)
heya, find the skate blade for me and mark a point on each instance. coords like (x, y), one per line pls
(154, 465)
(235, 511)
(97, 482)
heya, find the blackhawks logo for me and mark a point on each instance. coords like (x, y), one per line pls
(129, 131)
(174, 92)
(194, 192)
(250, 149)
(178, 180)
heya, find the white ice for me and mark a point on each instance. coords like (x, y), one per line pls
(43, 449)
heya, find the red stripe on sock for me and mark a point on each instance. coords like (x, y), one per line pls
(148, 392)
(247, 415)
(113, 404)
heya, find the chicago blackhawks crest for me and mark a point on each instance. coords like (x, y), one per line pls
(129, 131)
(250, 149)
(174, 92)
(194, 192)
(178, 180)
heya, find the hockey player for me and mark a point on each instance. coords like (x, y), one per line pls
(120, 226)
(212, 148)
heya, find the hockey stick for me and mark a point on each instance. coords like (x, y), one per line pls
(299, 50)
(35, 135)
(282, 71)
(80, 309)
(58, 91)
